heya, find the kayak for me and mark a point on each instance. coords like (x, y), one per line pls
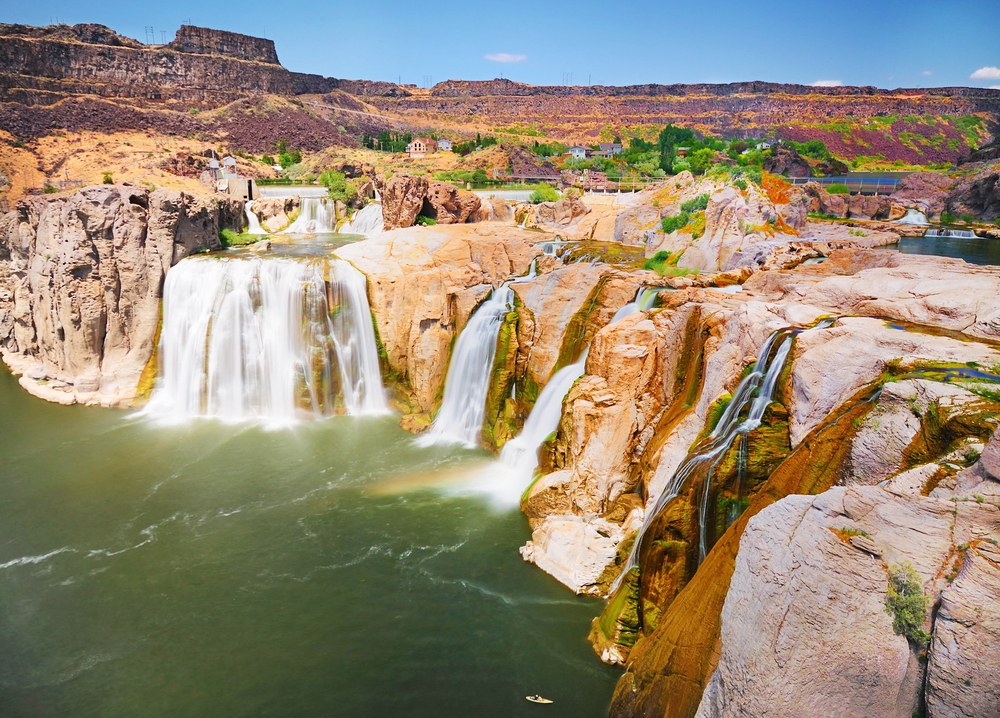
(537, 699)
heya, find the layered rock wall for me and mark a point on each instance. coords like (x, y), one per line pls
(81, 279)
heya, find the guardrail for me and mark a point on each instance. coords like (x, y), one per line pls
(856, 185)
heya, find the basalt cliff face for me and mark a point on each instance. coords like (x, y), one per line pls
(81, 280)
(44, 65)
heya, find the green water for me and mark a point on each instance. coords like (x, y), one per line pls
(973, 251)
(213, 570)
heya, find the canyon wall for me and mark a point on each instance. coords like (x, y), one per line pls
(81, 279)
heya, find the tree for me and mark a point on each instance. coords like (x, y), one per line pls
(338, 187)
(544, 193)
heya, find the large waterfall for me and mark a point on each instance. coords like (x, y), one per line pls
(742, 415)
(270, 338)
(367, 221)
(316, 214)
(460, 418)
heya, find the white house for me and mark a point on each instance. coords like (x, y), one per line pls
(765, 145)
(444, 145)
(579, 153)
(611, 148)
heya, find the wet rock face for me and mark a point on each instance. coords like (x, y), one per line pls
(81, 278)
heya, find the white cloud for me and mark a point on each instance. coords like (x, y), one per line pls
(995, 87)
(505, 57)
(926, 73)
(986, 73)
(827, 83)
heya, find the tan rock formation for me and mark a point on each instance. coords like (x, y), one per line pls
(419, 277)
(81, 277)
(450, 205)
(402, 199)
(799, 586)
(275, 213)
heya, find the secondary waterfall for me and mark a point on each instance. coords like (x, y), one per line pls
(913, 216)
(519, 456)
(269, 338)
(950, 233)
(253, 224)
(316, 214)
(460, 418)
(367, 221)
(753, 394)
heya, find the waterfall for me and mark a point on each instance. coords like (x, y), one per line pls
(913, 216)
(460, 418)
(367, 221)
(519, 456)
(316, 214)
(644, 299)
(266, 338)
(950, 234)
(253, 223)
(753, 394)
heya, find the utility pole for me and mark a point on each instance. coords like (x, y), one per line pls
(163, 37)
(150, 36)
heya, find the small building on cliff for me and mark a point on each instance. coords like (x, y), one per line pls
(444, 145)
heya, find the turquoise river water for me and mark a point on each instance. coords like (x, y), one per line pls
(226, 570)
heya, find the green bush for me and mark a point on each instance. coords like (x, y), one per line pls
(107, 178)
(229, 238)
(49, 189)
(966, 218)
(423, 221)
(658, 261)
(693, 205)
(906, 603)
(544, 193)
(338, 187)
(838, 188)
(672, 224)
(268, 160)
(947, 218)
(741, 184)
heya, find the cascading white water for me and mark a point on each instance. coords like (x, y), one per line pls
(950, 234)
(367, 221)
(460, 418)
(253, 223)
(519, 456)
(463, 409)
(644, 299)
(316, 214)
(266, 338)
(913, 216)
(755, 390)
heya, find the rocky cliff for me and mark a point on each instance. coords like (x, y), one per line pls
(44, 65)
(81, 278)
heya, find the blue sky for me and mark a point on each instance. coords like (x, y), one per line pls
(888, 44)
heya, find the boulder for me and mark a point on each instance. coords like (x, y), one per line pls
(402, 199)
(923, 191)
(448, 204)
(275, 213)
(561, 214)
(787, 162)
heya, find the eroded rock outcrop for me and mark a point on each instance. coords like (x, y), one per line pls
(812, 569)
(81, 278)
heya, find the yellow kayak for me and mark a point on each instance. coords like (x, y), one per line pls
(537, 699)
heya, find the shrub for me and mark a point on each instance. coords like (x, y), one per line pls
(107, 178)
(193, 110)
(672, 224)
(693, 205)
(268, 160)
(947, 218)
(658, 261)
(544, 193)
(838, 188)
(423, 221)
(741, 183)
(338, 187)
(966, 218)
(906, 603)
(996, 221)
(49, 189)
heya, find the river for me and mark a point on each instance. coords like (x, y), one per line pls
(212, 569)
(973, 251)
